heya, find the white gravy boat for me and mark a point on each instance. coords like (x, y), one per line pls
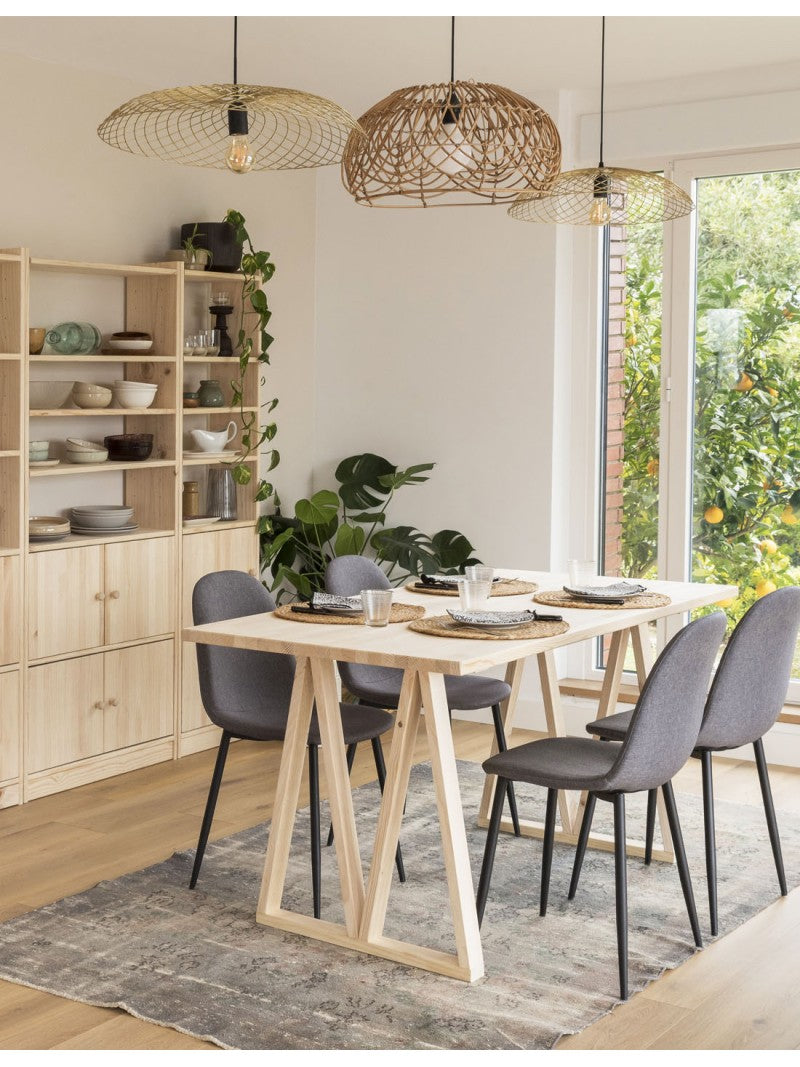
(209, 441)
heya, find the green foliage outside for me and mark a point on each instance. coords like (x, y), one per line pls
(747, 389)
(351, 520)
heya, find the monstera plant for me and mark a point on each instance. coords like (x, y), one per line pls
(352, 521)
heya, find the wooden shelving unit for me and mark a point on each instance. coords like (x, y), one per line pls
(94, 679)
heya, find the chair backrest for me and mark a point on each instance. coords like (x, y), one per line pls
(750, 685)
(235, 681)
(347, 576)
(666, 720)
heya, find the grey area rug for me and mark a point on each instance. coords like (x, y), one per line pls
(198, 962)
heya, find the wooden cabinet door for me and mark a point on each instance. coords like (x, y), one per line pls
(139, 588)
(9, 726)
(65, 602)
(138, 694)
(66, 709)
(224, 550)
(9, 592)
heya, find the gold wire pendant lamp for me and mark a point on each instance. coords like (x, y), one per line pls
(596, 196)
(241, 127)
(454, 143)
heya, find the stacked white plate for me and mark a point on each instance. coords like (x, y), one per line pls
(99, 519)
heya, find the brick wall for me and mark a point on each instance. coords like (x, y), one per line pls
(615, 438)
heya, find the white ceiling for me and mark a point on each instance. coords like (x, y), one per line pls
(357, 60)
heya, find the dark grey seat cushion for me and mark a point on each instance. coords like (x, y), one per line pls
(381, 686)
(613, 727)
(557, 762)
(359, 723)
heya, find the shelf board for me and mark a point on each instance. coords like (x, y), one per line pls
(129, 357)
(215, 527)
(81, 540)
(216, 411)
(123, 270)
(11, 356)
(6, 453)
(201, 461)
(110, 465)
(108, 413)
(231, 361)
(9, 551)
(211, 276)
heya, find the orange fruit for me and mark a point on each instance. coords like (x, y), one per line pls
(713, 515)
(788, 516)
(652, 467)
(726, 603)
(772, 392)
(765, 586)
(744, 384)
(768, 546)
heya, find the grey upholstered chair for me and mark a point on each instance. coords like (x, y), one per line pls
(247, 694)
(379, 687)
(662, 734)
(746, 697)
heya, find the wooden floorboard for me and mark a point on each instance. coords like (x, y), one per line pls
(738, 993)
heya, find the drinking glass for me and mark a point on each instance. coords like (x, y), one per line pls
(377, 606)
(188, 344)
(472, 594)
(212, 342)
(581, 571)
(220, 299)
(479, 573)
(200, 344)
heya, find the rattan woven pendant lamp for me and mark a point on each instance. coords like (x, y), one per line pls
(600, 195)
(453, 143)
(241, 127)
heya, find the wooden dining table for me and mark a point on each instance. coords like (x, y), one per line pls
(425, 660)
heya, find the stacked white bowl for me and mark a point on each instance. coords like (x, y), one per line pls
(87, 395)
(101, 516)
(134, 394)
(80, 451)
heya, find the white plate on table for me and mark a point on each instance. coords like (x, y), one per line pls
(599, 594)
(331, 604)
(493, 620)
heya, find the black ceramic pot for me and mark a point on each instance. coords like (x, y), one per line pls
(219, 239)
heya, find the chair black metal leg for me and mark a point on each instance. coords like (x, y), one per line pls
(710, 835)
(500, 734)
(769, 811)
(211, 803)
(380, 767)
(490, 848)
(583, 839)
(680, 859)
(547, 848)
(621, 880)
(351, 755)
(316, 852)
(652, 799)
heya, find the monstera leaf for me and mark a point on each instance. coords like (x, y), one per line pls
(410, 476)
(360, 480)
(453, 550)
(407, 547)
(319, 510)
(349, 540)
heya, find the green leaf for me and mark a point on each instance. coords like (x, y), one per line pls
(241, 474)
(349, 540)
(319, 510)
(359, 478)
(407, 547)
(369, 517)
(272, 548)
(452, 549)
(410, 476)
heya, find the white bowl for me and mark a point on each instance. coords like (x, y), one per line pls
(100, 456)
(91, 396)
(48, 395)
(77, 444)
(109, 518)
(130, 344)
(134, 395)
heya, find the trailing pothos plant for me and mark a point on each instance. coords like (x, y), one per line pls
(352, 521)
(257, 269)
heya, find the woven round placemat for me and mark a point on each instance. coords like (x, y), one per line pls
(500, 589)
(557, 598)
(444, 626)
(400, 613)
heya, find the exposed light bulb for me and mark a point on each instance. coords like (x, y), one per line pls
(600, 213)
(450, 151)
(239, 157)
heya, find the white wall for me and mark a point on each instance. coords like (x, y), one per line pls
(66, 194)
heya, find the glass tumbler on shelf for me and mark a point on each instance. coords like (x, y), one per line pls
(200, 344)
(189, 343)
(212, 342)
(221, 494)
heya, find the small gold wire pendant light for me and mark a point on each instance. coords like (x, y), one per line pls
(241, 127)
(453, 143)
(596, 196)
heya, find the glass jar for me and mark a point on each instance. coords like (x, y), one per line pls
(210, 394)
(191, 500)
(221, 493)
(74, 338)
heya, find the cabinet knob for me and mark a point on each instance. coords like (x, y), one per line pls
(114, 594)
(98, 705)
(114, 703)
(252, 571)
(99, 596)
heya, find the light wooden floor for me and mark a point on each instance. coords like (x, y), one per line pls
(738, 993)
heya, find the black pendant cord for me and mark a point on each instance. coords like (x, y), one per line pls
(452, 49)
(236, 51)
(602, 85)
